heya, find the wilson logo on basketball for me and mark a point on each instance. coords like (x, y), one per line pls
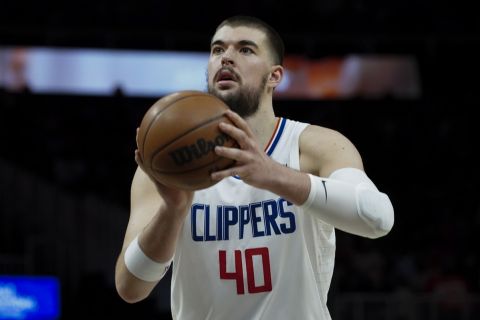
(198, 150)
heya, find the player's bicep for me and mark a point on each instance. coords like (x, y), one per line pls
(144, 203)
(324, 150)
(341, 154)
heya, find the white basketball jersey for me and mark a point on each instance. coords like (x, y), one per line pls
(246, 253)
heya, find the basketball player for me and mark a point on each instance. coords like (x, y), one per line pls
(260, 244)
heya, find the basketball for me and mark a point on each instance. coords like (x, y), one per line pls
(177, 137)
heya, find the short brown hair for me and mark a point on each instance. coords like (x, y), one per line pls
(275, 41)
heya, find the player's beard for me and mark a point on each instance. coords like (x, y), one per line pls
(245, 101)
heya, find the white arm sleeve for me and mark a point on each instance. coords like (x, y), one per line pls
(349, 201)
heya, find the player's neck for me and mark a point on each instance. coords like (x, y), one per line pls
(263, 124)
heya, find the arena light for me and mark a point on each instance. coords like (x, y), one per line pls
(157, 73)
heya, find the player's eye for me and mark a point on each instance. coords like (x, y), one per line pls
(246, 50)
(217, 50)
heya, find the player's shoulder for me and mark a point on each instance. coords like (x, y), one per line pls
(316, 137)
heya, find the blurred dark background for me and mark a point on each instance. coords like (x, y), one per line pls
(66, 162)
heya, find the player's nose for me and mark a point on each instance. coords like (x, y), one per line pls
(227, 58)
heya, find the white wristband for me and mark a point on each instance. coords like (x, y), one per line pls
(142, 266)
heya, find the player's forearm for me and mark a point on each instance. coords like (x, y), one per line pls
(159, 238)
(147, 257)
(130, 288)
(349, 201)
(290, 184)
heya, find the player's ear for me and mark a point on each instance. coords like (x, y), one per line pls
(276, 76)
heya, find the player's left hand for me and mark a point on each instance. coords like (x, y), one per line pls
(253, 165)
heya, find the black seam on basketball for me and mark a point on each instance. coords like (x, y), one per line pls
(158, 114)
(190, 170)
(185, 133)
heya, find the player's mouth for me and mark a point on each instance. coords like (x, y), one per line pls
(225, 78)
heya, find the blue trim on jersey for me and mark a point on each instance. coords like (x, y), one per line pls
(274, 143)
(278, 135)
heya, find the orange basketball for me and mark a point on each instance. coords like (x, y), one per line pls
(177, 137)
